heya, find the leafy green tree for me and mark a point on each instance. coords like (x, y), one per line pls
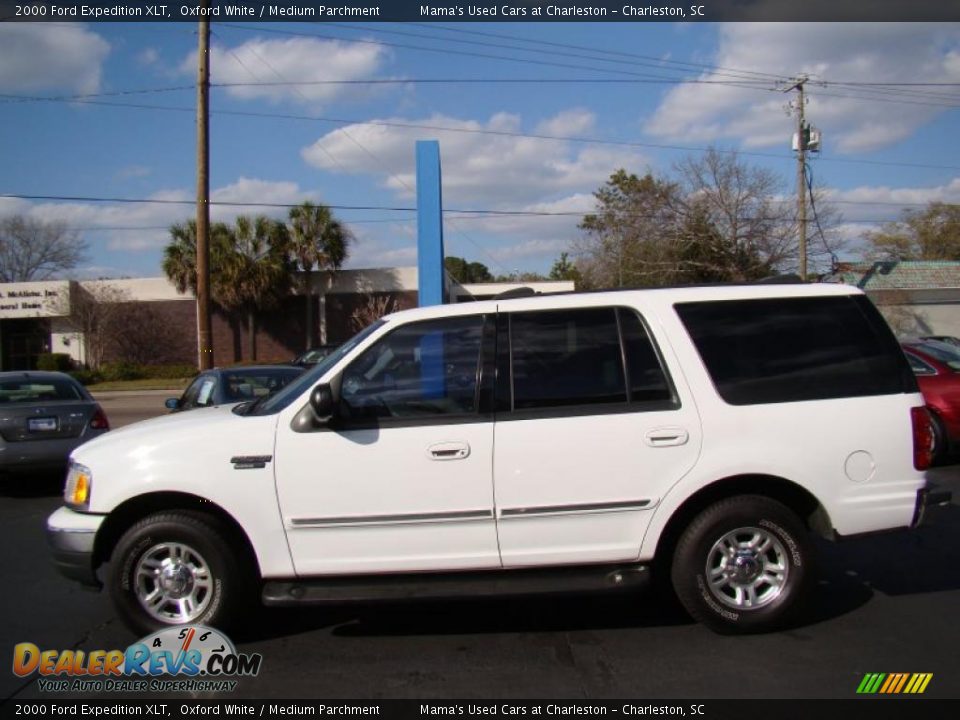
(705, 255)
(257, 272)
(716, 219)
(929, 234)
(564, 269)
(518, 277)
(628, 241)
(317, 241)
(180, 257)
(464, 271)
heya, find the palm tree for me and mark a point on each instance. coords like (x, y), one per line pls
(256, 274)
(317, 240)
(180, 256)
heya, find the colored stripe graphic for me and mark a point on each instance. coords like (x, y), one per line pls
(894, 683)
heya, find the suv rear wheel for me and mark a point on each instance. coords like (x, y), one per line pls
(743, 565)
(174, 568)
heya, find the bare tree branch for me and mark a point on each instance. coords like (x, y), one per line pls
(32, 249)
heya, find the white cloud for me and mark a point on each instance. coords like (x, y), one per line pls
(144, 226)
(834, 52)
(479, 170)
(40, 57)
(568, 123)
(291, 60)
(132, 172)
(883, 203)
(148, 56)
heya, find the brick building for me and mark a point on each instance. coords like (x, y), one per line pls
(159, 325)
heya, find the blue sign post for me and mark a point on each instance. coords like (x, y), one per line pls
(429, 224)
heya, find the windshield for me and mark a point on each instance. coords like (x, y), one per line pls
(944, 352)
(276, 403)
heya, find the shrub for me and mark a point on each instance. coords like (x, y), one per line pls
(121, 371)
(169, 372)
(86, 377)
(56, 362)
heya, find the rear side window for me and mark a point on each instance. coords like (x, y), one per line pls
(795, 349)
(585, 357)
(566, 358)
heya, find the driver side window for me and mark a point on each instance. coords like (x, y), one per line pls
(419, 370)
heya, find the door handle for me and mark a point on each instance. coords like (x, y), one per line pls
(667, 437)
(449, 451)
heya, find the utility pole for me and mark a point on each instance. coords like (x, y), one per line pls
(801, 173)
(204, 339)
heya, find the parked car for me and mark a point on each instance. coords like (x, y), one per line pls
(43, 417)
(314, 355)
(937, 367)
(224, 386)
(706, 431)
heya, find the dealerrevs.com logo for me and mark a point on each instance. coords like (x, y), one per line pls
(187, 658)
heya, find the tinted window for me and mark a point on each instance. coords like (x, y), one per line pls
(27, 391)
(918, 366)
(246, 385)
(420, 369)
(793, 349)
(648, 383)
(566, 357)
(945, 353)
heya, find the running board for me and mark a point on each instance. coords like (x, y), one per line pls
(407, 586)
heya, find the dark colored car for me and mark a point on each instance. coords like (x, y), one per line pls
(314, 355)
(937, 367)
(223, 386)
(43, 417)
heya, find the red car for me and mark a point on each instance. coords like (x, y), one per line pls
(937, 367)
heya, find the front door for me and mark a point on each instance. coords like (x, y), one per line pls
(401, 478)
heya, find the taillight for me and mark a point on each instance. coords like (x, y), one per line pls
(99, 420)
(923, 437)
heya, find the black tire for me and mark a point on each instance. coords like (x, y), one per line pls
(743, 599)
(190, 542)
(941, 452)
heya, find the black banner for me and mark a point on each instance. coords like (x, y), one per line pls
(865, 709)
(643, 11)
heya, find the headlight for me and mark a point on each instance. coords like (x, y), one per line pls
(76, 492)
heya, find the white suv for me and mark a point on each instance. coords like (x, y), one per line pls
(524, 445)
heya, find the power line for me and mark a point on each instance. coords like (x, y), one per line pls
(734, 83)
(634, 60)
(448, 51)
(473, 212)
(502, 133)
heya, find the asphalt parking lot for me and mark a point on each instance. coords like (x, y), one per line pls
(884, 604)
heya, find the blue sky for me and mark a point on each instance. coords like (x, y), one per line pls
(884, 148)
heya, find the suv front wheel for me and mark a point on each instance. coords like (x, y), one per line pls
(174, 568)
(743, 565)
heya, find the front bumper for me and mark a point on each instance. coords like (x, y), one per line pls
(71, 536)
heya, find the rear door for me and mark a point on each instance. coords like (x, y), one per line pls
(590, 432)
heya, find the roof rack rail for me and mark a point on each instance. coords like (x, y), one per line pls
(784, 279)
(520, 292)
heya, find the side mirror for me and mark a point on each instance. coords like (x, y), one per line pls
(316, 412)
(321, 400)
(172, 403)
